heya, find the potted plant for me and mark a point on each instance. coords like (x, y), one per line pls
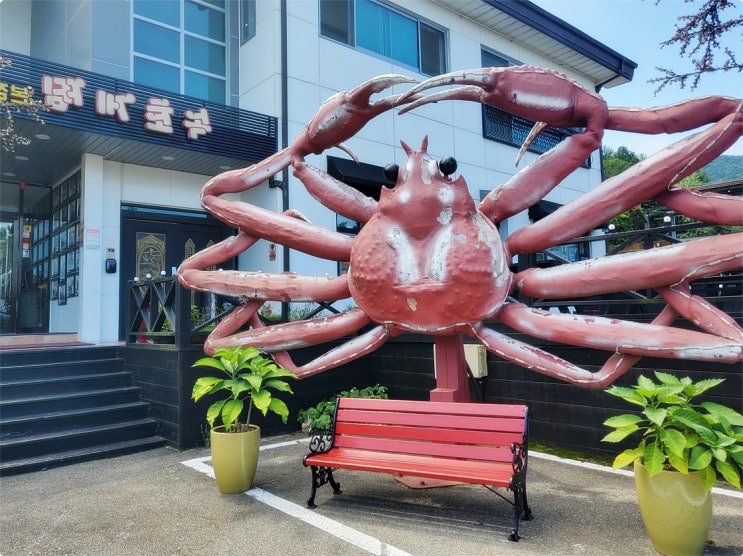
(249, 377)
(684, 447)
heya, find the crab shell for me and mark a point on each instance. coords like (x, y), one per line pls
(428, 260)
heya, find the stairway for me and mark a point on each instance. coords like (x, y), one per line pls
(66, 405)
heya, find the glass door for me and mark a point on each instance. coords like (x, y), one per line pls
(8, 285)
(25, 213)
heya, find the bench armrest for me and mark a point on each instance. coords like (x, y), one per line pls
(321, 443)
(520, 455)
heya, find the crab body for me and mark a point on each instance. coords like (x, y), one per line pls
(428, 261)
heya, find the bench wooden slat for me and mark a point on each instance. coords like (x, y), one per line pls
(432, 420)
(428, 434)
(434, 449)
(477, 472)
(450, 408)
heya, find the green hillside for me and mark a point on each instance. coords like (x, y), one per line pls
(725, 168)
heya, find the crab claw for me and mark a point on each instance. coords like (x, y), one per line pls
(538, 128)
(478, 83)
(536, 94)
(345, 113)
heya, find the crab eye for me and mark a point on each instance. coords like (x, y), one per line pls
(390, 172)
(448, 165)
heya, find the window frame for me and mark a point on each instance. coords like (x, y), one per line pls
(352, 34)
(247, 20)
(181, 65)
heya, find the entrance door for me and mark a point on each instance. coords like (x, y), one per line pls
(24, 258)
(8, 278)
(157, 240)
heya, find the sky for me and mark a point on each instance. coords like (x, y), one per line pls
(635, 29)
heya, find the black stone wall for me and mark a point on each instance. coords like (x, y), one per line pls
(562, 415)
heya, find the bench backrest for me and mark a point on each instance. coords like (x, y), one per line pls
(475, 431)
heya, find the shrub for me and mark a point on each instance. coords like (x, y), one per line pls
(319, 417)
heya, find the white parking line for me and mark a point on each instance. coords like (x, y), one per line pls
(361, 540)
(625, 472)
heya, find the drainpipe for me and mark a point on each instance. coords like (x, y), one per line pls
(601, 149)
(284, 135)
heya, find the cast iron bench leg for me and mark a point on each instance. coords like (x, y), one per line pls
(320, 476)
(520, 506)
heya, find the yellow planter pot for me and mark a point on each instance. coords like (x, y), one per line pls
(676, 510)
(235, 458)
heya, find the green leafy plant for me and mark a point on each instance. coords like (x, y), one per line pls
(676, 433)
(319, 417)
(199, 316)
(250, 376)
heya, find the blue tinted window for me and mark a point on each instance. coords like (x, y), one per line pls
(433, 50)
(156, 41)
(165, 11)
(157, 75)
(336, 20)
(205, 56)
(171, 37)
(247, 20)
(386, 32)
(203, 86)
(204, 21)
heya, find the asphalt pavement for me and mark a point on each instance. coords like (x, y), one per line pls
(164, 502)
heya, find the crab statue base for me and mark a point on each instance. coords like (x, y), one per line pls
(451, 370)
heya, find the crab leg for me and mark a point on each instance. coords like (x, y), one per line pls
(620, 363)
(277, 339)
(532, 358)
(674, 264)
(674, 118)
(335, 194)
(259, 285)
(644, 180)
(621, 336)
(291, 229)
(712, 207)
(543, 362)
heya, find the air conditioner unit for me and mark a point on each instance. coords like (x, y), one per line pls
(476, 357)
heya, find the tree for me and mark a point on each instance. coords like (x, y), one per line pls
(699, 34)
(30, 106)
(617, 161)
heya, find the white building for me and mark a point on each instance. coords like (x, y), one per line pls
(152, 98)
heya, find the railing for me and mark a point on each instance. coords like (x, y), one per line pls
(163, 313)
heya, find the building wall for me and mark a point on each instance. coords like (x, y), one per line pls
(106, 186)
(15, 26)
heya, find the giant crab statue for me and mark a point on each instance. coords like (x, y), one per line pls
(429, 260)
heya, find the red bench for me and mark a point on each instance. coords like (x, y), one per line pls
(475, 443)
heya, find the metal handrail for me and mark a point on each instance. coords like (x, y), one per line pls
(158, 308)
